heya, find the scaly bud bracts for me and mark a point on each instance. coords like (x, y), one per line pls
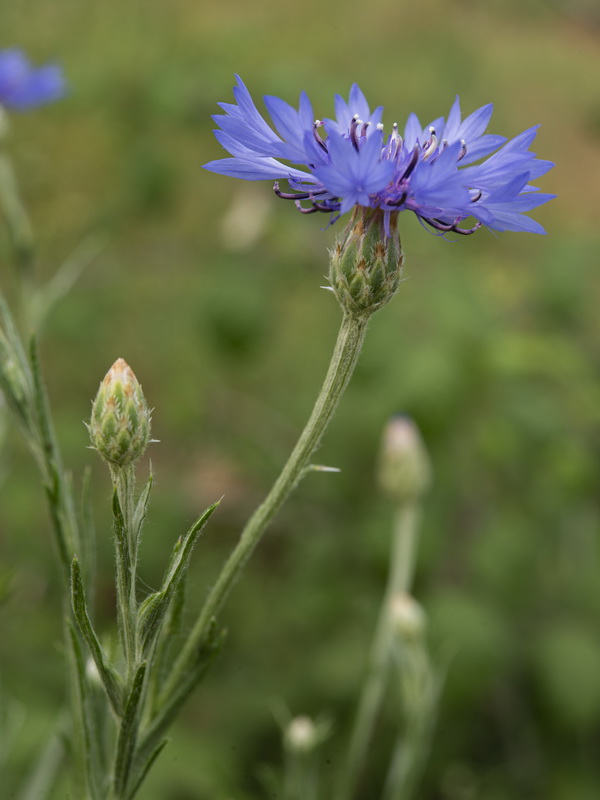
(404, 467)
(120, 424)
(366, 264)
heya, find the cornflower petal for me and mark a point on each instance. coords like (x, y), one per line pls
(23, 87)
(349, 161)
(291, 125)
(412, 131)
(255, 169)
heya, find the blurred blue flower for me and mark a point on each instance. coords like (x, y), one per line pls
(444, 172)
(23, 86)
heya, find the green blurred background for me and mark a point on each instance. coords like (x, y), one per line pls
(210, 289)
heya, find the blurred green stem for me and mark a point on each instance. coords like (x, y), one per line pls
(42, 779)
(404, 545)
(347, 350)
(20, 232)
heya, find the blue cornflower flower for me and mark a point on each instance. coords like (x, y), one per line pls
(23, 86)
(445, 172)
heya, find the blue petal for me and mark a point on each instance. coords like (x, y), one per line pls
(238, 129)
(412, 131)
(255, 169)
(42, 85)
(249, 111)
(14, 68)
(475, 124)
(358, 103)
(482, 147)
(291, 125)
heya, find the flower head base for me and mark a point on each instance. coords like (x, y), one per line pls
(120, 424)
(23, 86)
(436, 171)
(366, 265)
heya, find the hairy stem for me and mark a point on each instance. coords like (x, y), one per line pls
(344, 358)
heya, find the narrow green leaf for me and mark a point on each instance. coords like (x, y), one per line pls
(63, 279)
(119, 522)
(13, 338)
(169, 709)
(128, 732)
(88, 536)
(145, 769)
(82, 723)
(108, 675)
(141, 508)
(41, 403)
(61, 506)
(153, 610)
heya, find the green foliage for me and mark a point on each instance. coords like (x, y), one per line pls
(491, 345)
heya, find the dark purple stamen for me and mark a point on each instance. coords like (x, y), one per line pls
(414, 160)
(317, 136)
(444, 227)
(353, 133)
(289, 195)
(399, 202)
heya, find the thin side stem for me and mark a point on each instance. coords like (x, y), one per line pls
(20, 232)
(400, 577)
(348, 347)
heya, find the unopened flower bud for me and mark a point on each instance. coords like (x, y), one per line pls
(366, 263)
(404, 468)
(406, 616)
(120, 424)
(301, 734)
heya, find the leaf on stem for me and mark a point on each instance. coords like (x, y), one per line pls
(83, 733)
(88, 534)
(44, 300)
(145, 768)
(16, 381)
(108, 675)
(123, 552)
(152, 611)
(141, 508)
(170, 707)
(128, 732)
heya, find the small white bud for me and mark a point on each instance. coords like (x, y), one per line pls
(301, 734)
(406, 616)
(404, 469)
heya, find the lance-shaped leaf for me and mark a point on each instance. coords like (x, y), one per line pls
(141, 508)
(108, 674)
(154, 608)
(170, 707)
(128, 732)
(143, 770)
(83, 734)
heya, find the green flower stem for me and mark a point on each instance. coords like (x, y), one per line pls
(56, 483)
(347, 350)
(400, 577)
(414, 742)
(127, 556)
(19, 228)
